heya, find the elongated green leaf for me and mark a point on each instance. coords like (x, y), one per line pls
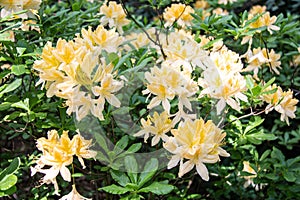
(8, 181)
(132, 168)
(134, 148)
(12, 86)
(120, 177)
(114, 189)
(22, 104)
(121, 144)
(158, 188)
(12, 168)
(257, 121)
(100, 139)
(148, 172)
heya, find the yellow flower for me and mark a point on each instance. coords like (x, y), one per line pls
(58, 153)
(198, 143)
(82, 149)
(74, 195)
(287, 106)
(257, 9)
(108, 40)
(75, 66)
(114, 16)
(282, 102)
(107, 88)
(220, 11)
(264, 20)
(223, 81)
(180, 13)
(14, 6)
(157, 125)
(259, 57)
(201, 4)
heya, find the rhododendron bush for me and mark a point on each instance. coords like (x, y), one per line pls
(149, 99)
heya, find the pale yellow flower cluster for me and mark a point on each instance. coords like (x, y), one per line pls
(258, 57)
(180, 13)
(172, 79)
(180, 46)
(265, 20)
(201, 4)
(58, 152)
(75, 71)
(114, 16)
(282, 101)
(223, 80)
(157, 125)
(194, 143)
(11, 7)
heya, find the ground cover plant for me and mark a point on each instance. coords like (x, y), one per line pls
(149, 99)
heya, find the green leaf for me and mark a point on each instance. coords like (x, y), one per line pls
(249, 81)
(12, 168)
(20, 50)
(121, 145)
(114, 189)
(252, 124)
(22, 104)
(119, 177)
(292, 161)
(256, 90)
(148, 172)
(134, 148)
(5, 106)
(10, 87)
(18, 69)
(269, 83)
(132, 168)
(8, 192)
(158, 188)
(8, 181)
(277, 154)
(265, 154)
(260, 136)
(289, 176)
(100, 139)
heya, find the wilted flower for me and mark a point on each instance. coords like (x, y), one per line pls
(195, 142)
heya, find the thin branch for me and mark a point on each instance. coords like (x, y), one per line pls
(142, 28)
(247, 115)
